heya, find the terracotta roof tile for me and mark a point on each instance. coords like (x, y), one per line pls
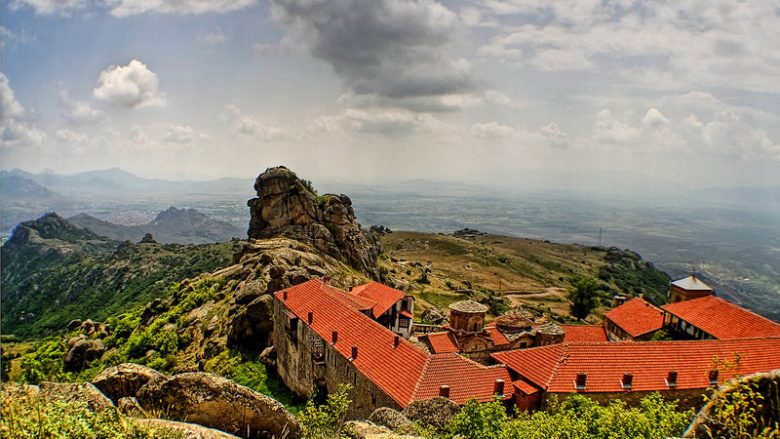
(442, 342)
(575, 333)
(722, 319)
(384, 296)
(555, 367)
(499, 339)
(637, 317)
(405, 373)
(525, 386)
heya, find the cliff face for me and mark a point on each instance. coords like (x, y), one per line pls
(286, 206)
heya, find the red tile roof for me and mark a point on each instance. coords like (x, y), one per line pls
(555, 367)
(384, 296)
(525, 386)
(499, 339)
(722, 319)
(405, 373)
(575, 333)
(442, 342)
(637, 317)
(407, 314)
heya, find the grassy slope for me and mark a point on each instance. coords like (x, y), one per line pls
(524, 271)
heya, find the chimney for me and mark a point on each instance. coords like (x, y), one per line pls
(627, 380)
(444, 391)
(284, 295)
(354, 352)
(396, 341)
(582, 378)
(713, 377)
(498, 387)
(334, 337)
(671, 379)
(310, 317)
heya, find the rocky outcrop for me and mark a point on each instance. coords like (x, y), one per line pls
(187, 430)
(217, 402)
(81, 351)
(436, 412)
(287, 206)
(124, 380)
(392, 419)
(253, 323)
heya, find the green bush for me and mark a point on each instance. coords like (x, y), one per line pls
(326, 421)
(479, 421)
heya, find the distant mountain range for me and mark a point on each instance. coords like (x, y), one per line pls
(184, 226)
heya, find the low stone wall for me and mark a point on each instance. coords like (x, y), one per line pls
(689, 398)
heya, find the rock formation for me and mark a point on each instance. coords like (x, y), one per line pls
(124, 380)
(217, 402)
(287, 206)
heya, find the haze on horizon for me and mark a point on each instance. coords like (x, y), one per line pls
(570, 93)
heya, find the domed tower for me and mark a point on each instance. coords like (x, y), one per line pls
(467, 316)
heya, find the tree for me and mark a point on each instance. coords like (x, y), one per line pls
(326, 421)
(584, 297)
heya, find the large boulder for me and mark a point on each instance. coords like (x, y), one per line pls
(436, 412)
(392, 419)
(124, 380)
(217, 402)
(187, 430)
(73, 392)
(287, 206)
(252, 326)
(81, 351)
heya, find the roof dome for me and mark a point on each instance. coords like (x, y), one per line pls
(515, 320)
(469, 306)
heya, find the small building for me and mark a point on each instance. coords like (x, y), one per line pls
(606, 371)
(711, 317)
(467, 332)
(324, 337)
(392, 308)
(634, 320)
(688, 288)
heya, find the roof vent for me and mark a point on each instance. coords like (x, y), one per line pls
(498, 387)
(334, 337)
(310, 317)
(627, 381)
(284, 295)
(671, 379)
(713, 377)
(582, 378)
(354, 353)
(396, 341)
(444, 391)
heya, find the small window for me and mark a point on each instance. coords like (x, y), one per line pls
(403, 323)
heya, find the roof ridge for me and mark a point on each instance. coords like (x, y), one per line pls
(423, 373)
(562, 360)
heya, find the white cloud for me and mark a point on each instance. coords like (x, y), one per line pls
(250, 126)
(612, 130)
(654, 119)
(554, 134)
(138, 136)
(13, 39)
(17, 131)
(78, 112)
(491, 130)
(124, 8)
(182, 134)
(386, 122)
(70, 136)
(131, 86)
(62, 7)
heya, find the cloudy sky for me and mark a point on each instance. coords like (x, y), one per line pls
(679, 92)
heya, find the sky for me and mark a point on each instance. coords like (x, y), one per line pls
(574, 93)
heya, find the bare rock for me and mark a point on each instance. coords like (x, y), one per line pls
(436, 412)
(217, 402)
(130, 407)
(81, 352)
(286, 206)
(268, 357)
(124, 380)
(392, 419)
(433, 316)
(249, 291)
(78, 392)
(251, 327)
(188, 431)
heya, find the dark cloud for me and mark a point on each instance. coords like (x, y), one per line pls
(388, 48)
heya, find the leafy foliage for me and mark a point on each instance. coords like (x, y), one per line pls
(633, 275)
(585, 297)
(479, 421)
(745, 412)
(326, 421)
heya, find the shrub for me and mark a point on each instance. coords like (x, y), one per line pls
(326, 421)
(479, 421)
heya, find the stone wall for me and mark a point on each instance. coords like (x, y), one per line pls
(688, 398)
(306, 361)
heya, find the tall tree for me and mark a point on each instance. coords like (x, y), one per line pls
(584, 297)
